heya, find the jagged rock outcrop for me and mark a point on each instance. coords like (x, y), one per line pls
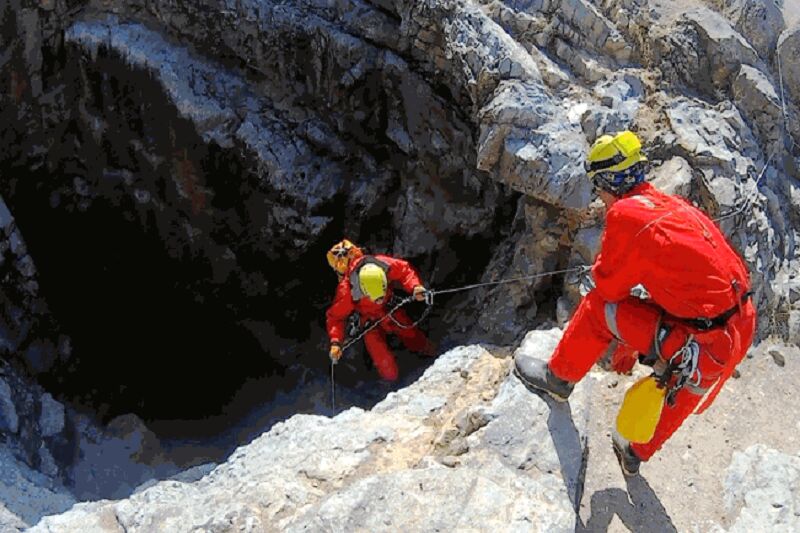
(27, 495)
(764, 485)
(759, 22)
(465, 446)
(237, 140)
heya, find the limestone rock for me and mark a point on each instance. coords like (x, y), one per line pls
(526, 140)
(704, 51)
(9, 521)
(51, 419)
(760, 104)
(313, 472)
(9, 421)
(674, 177)
(760, 21)
(27, 495)
(762, 490)
(788, 50)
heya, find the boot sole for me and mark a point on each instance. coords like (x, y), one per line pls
(619, 453)
(533, 388)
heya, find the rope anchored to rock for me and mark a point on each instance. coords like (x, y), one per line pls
(431, 293)
(429, 300)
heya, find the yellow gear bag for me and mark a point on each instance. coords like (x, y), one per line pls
(641, 410)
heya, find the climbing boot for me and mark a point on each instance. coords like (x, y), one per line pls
(535, 374)
(628, 460)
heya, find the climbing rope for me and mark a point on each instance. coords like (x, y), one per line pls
(333, 390)
(750, 198)
(375, 324)
(429, 305)
(511, 280)
(431, 293)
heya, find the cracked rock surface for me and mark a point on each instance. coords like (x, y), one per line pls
(230, 143)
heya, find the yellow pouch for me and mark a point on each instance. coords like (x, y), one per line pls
(641, 410)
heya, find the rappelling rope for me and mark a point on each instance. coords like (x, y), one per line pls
(333, 389)
(750, 198)
(431, 293)
(510, 280)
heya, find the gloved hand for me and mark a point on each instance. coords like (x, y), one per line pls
(419, 293)
(335, 353)
(623, 359)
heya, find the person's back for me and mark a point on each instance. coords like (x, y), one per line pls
(674, 250)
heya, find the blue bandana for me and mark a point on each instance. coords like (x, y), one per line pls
(619, 183)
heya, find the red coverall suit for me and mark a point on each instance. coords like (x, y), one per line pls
(399, 272)
(689, 270)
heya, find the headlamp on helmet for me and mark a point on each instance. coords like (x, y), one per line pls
(340, 255)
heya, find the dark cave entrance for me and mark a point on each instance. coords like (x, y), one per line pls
(152, 331)
(148, 336)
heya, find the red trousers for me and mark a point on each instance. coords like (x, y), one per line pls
(382, 357)
(599, 327)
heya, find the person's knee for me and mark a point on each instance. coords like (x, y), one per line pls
(388, 370)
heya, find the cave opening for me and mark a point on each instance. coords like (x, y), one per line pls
(157, 326)
(147, 337)
(149, 334)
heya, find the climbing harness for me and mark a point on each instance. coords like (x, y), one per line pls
(375, 324)
(683, 364)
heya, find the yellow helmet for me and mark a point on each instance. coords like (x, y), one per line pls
(614, 153)
(372, 280)
(340, 255)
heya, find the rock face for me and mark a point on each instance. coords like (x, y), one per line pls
(26, 495)
(764, 485)
(467, 437)
(468, 447)
(179, 169)
(759, 22)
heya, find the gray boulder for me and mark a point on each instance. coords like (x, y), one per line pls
(9, 421)
(760, 21)
(760, 104)
(466, 446)
(762, 490)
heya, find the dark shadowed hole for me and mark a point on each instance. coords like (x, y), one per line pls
(151, 332)
(146, 336)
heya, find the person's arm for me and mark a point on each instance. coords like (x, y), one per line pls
(618, 267)
(336, 316)
(401, 272)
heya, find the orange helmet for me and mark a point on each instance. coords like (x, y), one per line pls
(341, 254)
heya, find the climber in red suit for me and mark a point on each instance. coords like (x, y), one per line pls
(666, 280)
(365, 286)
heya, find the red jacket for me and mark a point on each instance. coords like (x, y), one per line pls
(399, 273)
(674, 250)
